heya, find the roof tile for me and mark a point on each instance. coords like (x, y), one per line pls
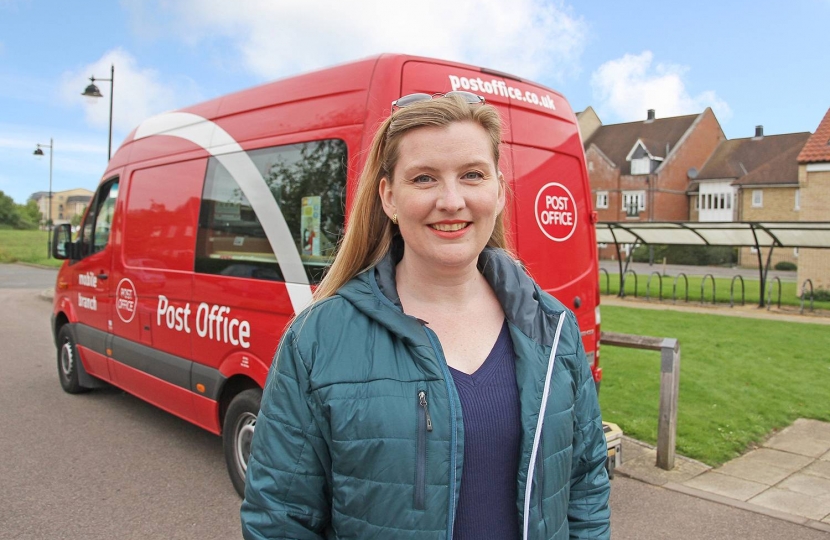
(818, 146)
(770, 159)
(617, 140)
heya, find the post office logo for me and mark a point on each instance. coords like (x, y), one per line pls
(126, 300)
(556, 211)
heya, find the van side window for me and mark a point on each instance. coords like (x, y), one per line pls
(95, 233)
(308, 184)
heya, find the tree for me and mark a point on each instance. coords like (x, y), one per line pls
(29, 214)
(8, 211)
(76, 219)
(18, 216)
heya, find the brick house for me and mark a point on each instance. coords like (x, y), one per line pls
(751, 179)
(638, 170)
(814, 185)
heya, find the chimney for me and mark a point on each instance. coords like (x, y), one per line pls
(759, 132)
(650, 117)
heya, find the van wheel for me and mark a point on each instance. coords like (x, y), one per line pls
(68, 362)
(237, 434)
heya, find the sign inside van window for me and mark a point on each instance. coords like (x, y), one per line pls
(556, 211)
(495, 87)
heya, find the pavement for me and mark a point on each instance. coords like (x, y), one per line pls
(787, 477)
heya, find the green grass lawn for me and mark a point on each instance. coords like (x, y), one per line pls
(740, 378)
(723, 289)
(25, 246)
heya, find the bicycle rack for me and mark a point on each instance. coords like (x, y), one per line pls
(769, 292)
(703, 283)
(607, 281)
(632, 272)
(732, 292)
(802, 295)
(659, 281)
(674, 288)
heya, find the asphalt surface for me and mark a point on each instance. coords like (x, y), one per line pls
(107, 465)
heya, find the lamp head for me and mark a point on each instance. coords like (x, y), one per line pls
(38, 152)
(92, 92)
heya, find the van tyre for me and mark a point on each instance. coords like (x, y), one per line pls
(68, 362)
(237, 434)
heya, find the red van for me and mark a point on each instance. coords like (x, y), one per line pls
(212, 224)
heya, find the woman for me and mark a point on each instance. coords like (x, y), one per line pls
(431, 377)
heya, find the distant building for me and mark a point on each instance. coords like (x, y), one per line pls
(751, 179)
(814, 187)
(639, 170)
(65, 204)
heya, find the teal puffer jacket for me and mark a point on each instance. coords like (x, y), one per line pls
(341, 448)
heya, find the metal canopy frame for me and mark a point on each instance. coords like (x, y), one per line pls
(766, 234)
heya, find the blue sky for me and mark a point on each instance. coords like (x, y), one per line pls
(760, 62)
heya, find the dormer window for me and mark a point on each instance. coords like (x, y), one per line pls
(641, 159)
(641, 165)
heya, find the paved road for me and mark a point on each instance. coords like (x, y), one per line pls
(106, 465)
(18, 276)
(98, 465)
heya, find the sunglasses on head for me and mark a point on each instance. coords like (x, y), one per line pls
(408, 100)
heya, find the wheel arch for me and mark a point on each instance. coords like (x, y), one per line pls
(232, 387)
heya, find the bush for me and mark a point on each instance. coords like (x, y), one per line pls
(689, 255)
(821, 295)
(785, 265)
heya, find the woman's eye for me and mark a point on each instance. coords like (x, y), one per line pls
(473, 175)
(422, 179)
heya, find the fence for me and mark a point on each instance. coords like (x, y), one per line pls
(807, 292)
(669, 387)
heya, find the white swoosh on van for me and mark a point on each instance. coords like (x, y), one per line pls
(222, 146)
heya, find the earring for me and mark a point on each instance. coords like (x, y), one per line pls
(395, 219)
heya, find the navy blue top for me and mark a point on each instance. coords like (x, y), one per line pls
(492, 431)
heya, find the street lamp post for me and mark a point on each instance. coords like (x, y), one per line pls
(39, 152)
(92, 92)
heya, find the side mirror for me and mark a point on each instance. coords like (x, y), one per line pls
(62, 242)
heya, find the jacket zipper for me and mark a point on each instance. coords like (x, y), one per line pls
(424, 425)
(537, 438)
(433, 339)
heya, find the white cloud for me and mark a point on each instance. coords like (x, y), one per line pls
(627, 87)
(138, 92)
(531, 38)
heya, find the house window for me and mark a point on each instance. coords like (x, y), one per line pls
(797, 199)
(602, 199)
(757, 198)
(591, 166)
(641, 165)
(635, 199)
(697, 202)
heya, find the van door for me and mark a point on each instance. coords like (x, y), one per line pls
(91, 286)
(553, 207)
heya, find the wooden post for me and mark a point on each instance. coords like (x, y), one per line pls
(669, 387)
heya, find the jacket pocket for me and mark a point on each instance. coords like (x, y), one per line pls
(424, 426)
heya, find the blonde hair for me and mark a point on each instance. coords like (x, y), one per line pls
(369, 231)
